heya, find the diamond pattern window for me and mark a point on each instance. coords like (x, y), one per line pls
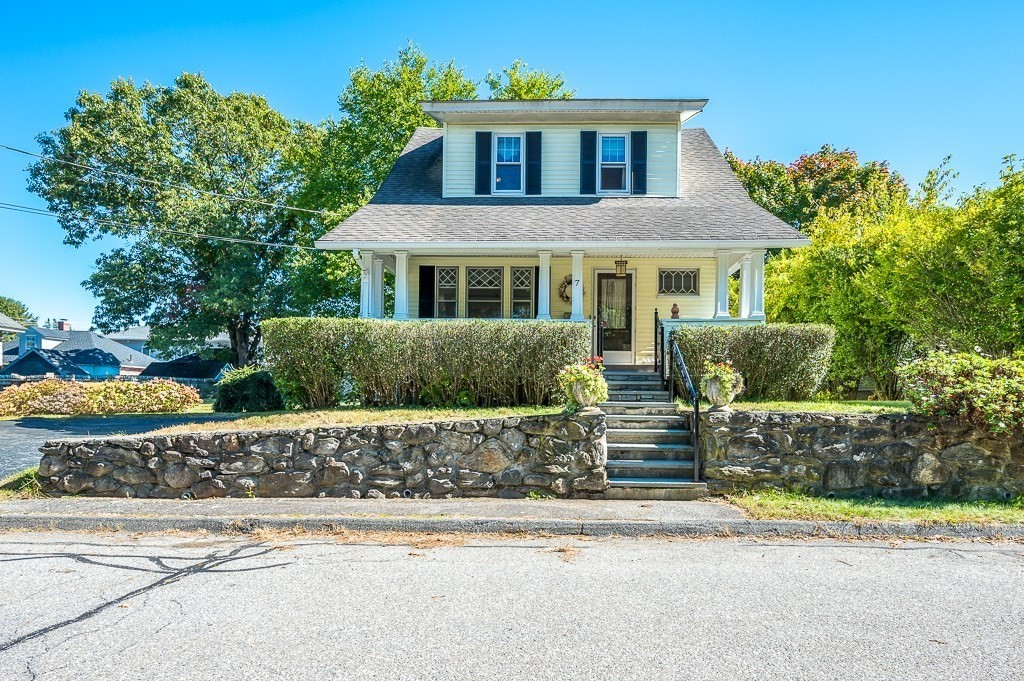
(446, 296)
(522, 292)
(679, 282)
(483, 293)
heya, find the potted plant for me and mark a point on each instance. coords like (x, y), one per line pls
(583, 383)
(720, 384)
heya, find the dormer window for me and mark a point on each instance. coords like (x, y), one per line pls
(611, 175)
(508, 164)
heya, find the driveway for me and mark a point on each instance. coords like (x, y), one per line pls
(125, 606)
(21, 439)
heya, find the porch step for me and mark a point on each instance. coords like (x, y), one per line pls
(651, 408)
(631, 421)
(632, 395)
(629, 469)
(632, 385)
(638, 451)
(654, 489)
(632, 376)
(647, 436)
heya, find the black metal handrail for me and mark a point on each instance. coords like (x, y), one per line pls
(676, 361)
(659, 347)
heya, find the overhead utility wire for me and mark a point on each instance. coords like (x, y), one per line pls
(159, 183)
(198, 235)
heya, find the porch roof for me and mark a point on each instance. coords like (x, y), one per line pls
(713, 210)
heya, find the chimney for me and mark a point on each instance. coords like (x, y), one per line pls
(63, 325)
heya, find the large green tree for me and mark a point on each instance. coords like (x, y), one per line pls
(519, 81)
(18, 311)
(158, 166)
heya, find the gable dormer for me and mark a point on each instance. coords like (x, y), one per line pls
(562, 148)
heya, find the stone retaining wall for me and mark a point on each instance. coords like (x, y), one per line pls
(888, 455)
(559, 454)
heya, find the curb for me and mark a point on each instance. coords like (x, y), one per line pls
(725, 528)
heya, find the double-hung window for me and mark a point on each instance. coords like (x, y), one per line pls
(612, 177)
(446, 294)
(483, 292)
(522, 292)
(508, 164)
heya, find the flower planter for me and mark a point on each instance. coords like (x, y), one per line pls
(717, 395)
(582, 396)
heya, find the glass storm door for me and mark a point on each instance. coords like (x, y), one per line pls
(615, 315)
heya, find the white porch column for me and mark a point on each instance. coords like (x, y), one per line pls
(722, 285)
(757, 285)
(365, 291)
(377, 284)
(577, 286)
(746, 288)
(544, 285)
(401, 285)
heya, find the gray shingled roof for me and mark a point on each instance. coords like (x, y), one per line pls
(132, 333)
(86, 347)
(51, 334)
(408, 207)
(8, 324)
(61, 363)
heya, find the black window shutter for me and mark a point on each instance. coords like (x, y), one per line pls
(426, 291)
(536, 289)
(483, 162)
(639, 161)
(533, 163)
(588, 162)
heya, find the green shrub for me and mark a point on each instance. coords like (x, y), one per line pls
(247, 389)
(317, 362)
(967, 387)
(777, 361)
(66, 398)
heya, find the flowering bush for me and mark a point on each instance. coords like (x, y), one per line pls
(968, 387)
(583, 383)
(67, 398)
(730, 381)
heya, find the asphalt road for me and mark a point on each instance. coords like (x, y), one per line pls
(124, 607)
(21, 439)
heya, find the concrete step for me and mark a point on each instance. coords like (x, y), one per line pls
(614, 408)
(648, 436)
(638, 395)
(624, 488)
(661, 470)
(650, 452)
(633, 386)
(645, 421)
(639, 377)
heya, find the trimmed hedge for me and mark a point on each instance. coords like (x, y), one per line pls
(68, 398)
(247, 389)
(777, 361)
(968, 387)
(317, 362)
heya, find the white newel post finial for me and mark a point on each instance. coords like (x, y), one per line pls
(577, 286)
(544, 285)
(722, 285)
(365, 293)
(401, 285)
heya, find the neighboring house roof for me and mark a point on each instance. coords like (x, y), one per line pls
(37, 362)
(408, 209)
(189, 366)
(10, 351)
(8, 325)
(132, 333)
(52, 334)
(88, 348)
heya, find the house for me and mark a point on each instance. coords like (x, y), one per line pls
(36, 337)
(82, 354)
(190, 367)
(585, 210)
(137, 337)
(8, 325)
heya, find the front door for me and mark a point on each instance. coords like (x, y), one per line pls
(615, 316)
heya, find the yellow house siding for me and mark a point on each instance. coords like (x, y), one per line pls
(560, 158)
(645, 271)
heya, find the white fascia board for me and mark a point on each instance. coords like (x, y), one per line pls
(577, 109)
(591, 247)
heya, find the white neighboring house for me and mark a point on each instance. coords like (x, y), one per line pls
(599, 210)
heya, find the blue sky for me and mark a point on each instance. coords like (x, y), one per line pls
(905, 82)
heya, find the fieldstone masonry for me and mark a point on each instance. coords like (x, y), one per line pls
(887, 455)
(559, 454)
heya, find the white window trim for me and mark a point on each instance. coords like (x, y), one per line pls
(522, 163)
(614, 192)
(679, 269)
(437, 292)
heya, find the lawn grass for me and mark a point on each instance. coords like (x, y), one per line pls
(23, 485)
(834, 407)
(777, 505)
(351, 416)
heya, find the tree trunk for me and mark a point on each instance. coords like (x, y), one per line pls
(244, 342)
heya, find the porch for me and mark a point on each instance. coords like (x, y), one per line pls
(617, 292)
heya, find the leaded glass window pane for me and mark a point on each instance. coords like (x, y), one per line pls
(483, 294)
(679, 282)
